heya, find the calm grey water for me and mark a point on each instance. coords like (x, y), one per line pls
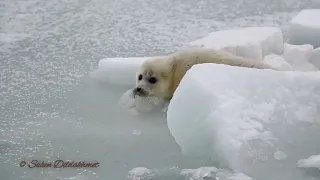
(50, 109)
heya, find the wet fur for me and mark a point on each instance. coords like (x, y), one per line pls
(169, 70)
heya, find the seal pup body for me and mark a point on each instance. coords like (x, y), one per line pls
(161, 76)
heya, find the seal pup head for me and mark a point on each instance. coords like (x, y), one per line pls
(153, 78)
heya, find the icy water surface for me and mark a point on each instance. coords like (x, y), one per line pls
(50, 109)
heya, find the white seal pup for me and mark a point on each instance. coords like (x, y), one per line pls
(161, 76)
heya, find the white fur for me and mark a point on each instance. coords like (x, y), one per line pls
(169, 70)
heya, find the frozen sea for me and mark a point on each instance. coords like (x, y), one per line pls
(50, 109)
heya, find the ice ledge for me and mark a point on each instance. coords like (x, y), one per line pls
(247, 118)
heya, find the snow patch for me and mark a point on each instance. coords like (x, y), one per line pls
(311, 162)
(277, 62)
(251, 42)
(118, 71)
(305, 28)
(298, 56)
(202, 173)
(315, 58)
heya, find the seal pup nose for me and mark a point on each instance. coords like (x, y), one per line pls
(139, 92)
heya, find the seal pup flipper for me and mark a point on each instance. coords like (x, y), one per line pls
(165, 106)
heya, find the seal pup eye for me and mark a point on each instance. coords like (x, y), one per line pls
(140, 77)
(152, 80)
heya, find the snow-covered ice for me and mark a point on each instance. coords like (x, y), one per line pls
(212, 173)
(139, 173)
(298, 56)
(277, 61)
(305, 28)
(308, 18)
(311, 162)
(201, 173)
(280, 155)
(251, 42)
(77, 177)
(315, 58)
(241, 117)
(118, 71)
